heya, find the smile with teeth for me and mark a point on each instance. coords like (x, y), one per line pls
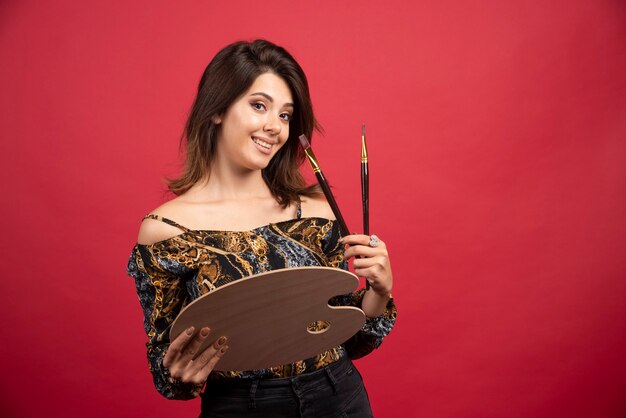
(262, 143)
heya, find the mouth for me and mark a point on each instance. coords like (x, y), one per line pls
(263, 146)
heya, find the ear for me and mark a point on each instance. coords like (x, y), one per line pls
(217, 119)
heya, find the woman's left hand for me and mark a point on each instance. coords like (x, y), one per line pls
(374, 263)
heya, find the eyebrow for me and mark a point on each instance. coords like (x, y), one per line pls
(268, 97)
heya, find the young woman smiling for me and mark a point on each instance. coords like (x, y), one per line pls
(242, 205)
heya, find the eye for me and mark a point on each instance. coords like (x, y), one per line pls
(285, 116)
(258, 106)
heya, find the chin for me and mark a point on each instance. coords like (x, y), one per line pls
(254, 166)
(260, 163)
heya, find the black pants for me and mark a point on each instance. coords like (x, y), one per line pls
(334, 391)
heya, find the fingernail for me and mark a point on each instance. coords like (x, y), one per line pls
(204, 332)
(189, 330)
(221, 341)
(223, 349)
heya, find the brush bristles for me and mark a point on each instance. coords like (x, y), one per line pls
(304, 141)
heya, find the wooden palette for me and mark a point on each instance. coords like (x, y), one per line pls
(266, 317)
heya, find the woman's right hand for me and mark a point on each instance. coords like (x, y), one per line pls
(179, 358)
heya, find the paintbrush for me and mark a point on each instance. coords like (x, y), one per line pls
(343, 228)
(365, 189)
(365, 184)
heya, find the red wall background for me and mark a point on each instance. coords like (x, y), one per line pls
(497, 137)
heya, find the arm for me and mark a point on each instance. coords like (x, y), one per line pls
(162, 295)
(371, 335)
(377, 302)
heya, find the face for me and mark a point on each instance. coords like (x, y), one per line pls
(256, 125)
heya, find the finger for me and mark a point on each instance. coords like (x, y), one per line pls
(377, 283)
(369, 274)
(210, 365)
(378, 264)
(191, 350)
(209, 352)
(363, 251)
(373, 273)
(357, 239)
(177, 345)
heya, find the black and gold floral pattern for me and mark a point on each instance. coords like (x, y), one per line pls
(170, 274)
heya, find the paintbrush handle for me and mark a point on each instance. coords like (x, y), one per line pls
(343, 228)
(365, 190)
(365, 198)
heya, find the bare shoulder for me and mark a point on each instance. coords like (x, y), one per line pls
(155, 230)
(316, 207)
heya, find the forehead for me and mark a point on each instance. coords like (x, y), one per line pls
(272, 85)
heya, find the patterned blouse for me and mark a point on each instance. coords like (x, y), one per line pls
(169, 274)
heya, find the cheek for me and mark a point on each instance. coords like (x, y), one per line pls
(284, 134)
(283, 141)
(280, 149)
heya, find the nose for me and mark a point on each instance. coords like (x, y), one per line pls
(272, 124)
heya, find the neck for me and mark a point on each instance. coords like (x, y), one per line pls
(224, 184)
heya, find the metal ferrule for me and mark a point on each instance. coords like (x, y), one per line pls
(363, 150)
(312, 160)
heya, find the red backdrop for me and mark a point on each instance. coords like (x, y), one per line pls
(497, 137)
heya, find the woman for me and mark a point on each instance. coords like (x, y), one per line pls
(242, 171)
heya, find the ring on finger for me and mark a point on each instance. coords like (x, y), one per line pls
(374, 241)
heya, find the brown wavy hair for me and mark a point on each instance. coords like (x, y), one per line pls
(231, 72)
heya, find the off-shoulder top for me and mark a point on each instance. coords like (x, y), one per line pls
(171, 273)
